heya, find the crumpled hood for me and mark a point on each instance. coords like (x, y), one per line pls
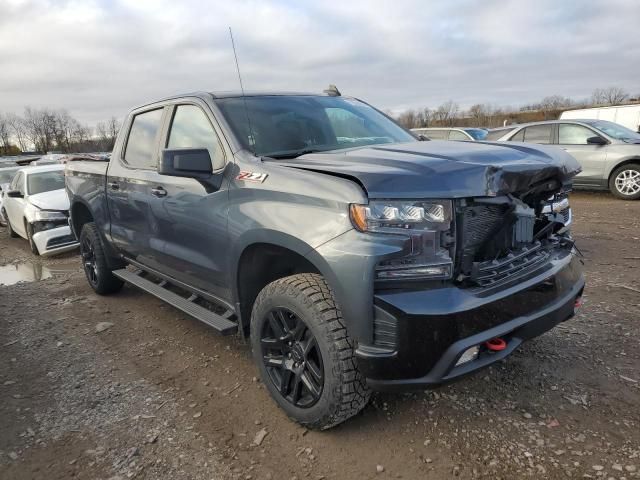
(441, 169)
(53, 200)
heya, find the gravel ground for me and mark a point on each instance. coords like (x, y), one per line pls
(153, 394)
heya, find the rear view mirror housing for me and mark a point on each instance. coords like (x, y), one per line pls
(596, 140)
(15, 194)
(186, 162)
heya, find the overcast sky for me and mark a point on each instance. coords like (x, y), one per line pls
(99, 58)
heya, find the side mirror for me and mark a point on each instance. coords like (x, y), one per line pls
(186, 162)
(423, 138)
(596, 140)
(15, 194)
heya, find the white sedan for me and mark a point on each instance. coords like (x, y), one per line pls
(36, 208)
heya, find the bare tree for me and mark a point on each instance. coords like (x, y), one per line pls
(551, 106)
(5, 139)
(407, 119)
(17, 130)
(609, 96)
(446, 114)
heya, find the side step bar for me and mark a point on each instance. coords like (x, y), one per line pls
(187, 305)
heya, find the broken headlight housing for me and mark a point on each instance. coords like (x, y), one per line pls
(427, 223)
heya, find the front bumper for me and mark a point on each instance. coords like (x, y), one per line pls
(55, 241)
(431, 329)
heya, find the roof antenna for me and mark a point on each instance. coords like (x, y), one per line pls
(252, 141)
(332, 91)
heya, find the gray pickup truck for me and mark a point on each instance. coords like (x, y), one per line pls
(352, 255)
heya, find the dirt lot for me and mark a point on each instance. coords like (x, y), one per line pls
(158, 395)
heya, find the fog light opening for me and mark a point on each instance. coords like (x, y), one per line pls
(469, 355)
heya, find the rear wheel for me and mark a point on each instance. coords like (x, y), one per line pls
(625, 182)
(12, 232)
(94, 262)
(29, 229)
(304, 353)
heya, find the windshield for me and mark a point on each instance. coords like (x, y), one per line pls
(289, 126)
(45, 182)
(615, 130)
(7, 175)
(477, 133)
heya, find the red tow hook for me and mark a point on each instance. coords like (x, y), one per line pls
(496, 344)
(578, 303)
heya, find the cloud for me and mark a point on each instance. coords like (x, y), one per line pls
(100, 58)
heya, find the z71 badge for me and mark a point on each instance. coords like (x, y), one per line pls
(252, 176)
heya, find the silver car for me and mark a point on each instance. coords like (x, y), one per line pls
(608, 153)
(464, 134)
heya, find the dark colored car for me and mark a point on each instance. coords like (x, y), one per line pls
(353, 256)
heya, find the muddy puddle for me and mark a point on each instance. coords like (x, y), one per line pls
(31, 272)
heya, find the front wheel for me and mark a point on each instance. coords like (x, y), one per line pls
(625, 182)
(94, 262)
(12, 232)
(32, 244)
(304, 353)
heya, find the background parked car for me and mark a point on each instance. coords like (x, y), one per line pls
(608, 153)
(36, 208)
(464, 134)
(6, 176)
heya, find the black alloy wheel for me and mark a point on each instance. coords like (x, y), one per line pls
(292, 358)
(89, 261)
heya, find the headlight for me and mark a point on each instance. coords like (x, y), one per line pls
(46, 216)
(426, 222)
(393, 216)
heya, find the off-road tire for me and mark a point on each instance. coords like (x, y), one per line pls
(103, 282)
(635, 167)
(309, 297)
(29, 229)
(12, 232)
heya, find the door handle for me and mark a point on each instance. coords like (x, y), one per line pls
(114, 185)
(158, 192)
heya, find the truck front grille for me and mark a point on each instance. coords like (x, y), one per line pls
(479, 222)
(497, 244)
(493, 273)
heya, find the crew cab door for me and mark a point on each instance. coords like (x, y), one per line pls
(592, 158)
(131, 172)
(188, 219)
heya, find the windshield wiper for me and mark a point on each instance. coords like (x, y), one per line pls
(293, 153)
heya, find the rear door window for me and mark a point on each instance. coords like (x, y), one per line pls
(141, 148)
(437, 134)
(17, 183)
(497, 134)
(571, 134)
(538, 134)
(191, 128)
(456, 135)
(518, 137)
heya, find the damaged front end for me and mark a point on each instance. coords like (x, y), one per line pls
(504, 239)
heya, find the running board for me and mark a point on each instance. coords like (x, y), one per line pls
(219, 322)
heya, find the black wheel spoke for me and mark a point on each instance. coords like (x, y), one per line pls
(271, 342)
(276, 326)
(311, 343)
(276, 362)
(285, 382)
(314, 372)
(298, 331)
(292, 357)
(313, 389)
(296, 390)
